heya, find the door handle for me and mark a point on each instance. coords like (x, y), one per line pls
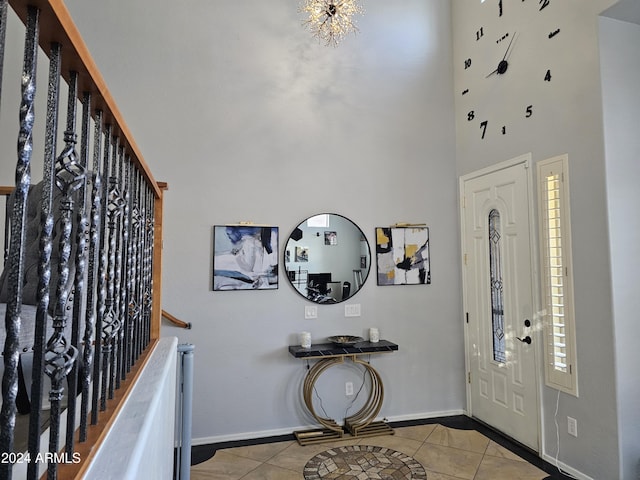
(526, 340)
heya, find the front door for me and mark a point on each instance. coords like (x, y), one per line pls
(498, 299)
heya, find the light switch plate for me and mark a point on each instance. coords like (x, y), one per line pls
(310, 311)
(352, 310)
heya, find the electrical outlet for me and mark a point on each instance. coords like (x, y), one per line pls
(572, 426)
(348, 389)
(310, 311)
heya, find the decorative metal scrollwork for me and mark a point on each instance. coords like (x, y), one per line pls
(71, 175)
(115, 202)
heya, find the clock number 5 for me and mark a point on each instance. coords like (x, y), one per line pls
(483, 127)
(529, 111)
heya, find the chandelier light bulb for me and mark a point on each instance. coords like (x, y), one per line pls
(331, 20)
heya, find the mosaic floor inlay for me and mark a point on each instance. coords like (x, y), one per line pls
(356, 462)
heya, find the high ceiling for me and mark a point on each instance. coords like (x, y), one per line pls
(625, 10)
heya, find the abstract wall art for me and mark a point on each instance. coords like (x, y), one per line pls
(402, 255)
(245, 257)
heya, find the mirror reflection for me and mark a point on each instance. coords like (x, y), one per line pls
(327, 258)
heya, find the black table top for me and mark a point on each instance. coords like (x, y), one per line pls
(332, 350)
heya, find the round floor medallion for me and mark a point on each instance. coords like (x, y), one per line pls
(363, 462)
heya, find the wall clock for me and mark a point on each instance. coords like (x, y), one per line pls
(508, 65)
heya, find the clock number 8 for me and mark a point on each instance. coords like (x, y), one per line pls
(471, 115)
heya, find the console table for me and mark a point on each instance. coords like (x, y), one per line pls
(361, 423)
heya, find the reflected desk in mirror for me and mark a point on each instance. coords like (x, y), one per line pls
(327, 258)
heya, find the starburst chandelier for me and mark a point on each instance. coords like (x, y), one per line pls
(331, 20)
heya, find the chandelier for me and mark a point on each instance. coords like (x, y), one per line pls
(331, 20)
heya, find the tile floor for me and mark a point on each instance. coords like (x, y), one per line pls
(446, 452)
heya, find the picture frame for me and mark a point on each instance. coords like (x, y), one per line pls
(302, 254)
(245, 257)
(402, 255)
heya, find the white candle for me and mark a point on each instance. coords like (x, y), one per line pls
(305, 339)
(374, 335)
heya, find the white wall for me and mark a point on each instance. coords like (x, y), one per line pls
(250, 119)
(620, 70)
(568, 119)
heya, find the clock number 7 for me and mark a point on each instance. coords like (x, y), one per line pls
(483, 127)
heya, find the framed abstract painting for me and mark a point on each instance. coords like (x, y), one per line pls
(402, 255)
(245, 257)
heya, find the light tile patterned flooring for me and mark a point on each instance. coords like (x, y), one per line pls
(446, 454)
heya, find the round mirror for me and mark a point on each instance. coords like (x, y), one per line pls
(327, 258)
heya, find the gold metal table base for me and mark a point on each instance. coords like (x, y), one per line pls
(361, 423)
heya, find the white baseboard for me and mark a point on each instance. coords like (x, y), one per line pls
(289, 430)
(425, 415)
(566, 469)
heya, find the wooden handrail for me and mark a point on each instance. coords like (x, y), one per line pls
(176, 321)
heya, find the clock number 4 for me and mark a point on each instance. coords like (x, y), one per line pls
(544, 4)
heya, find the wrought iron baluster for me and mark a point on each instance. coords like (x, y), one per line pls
(80, 263)
(133, 309)
(140, 266)
(94, 245)
(103, 271)
(60, 355)
(44, 264)
(3, 36)
(118, 276)
(16, 248)
(149, 238)
(110, 323)
(125, 279)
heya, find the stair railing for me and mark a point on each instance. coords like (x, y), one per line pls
(97, 303)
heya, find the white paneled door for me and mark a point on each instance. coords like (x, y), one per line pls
(498, 298)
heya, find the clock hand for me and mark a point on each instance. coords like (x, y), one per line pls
(504, 64)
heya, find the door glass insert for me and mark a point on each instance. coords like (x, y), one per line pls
(497, 294)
